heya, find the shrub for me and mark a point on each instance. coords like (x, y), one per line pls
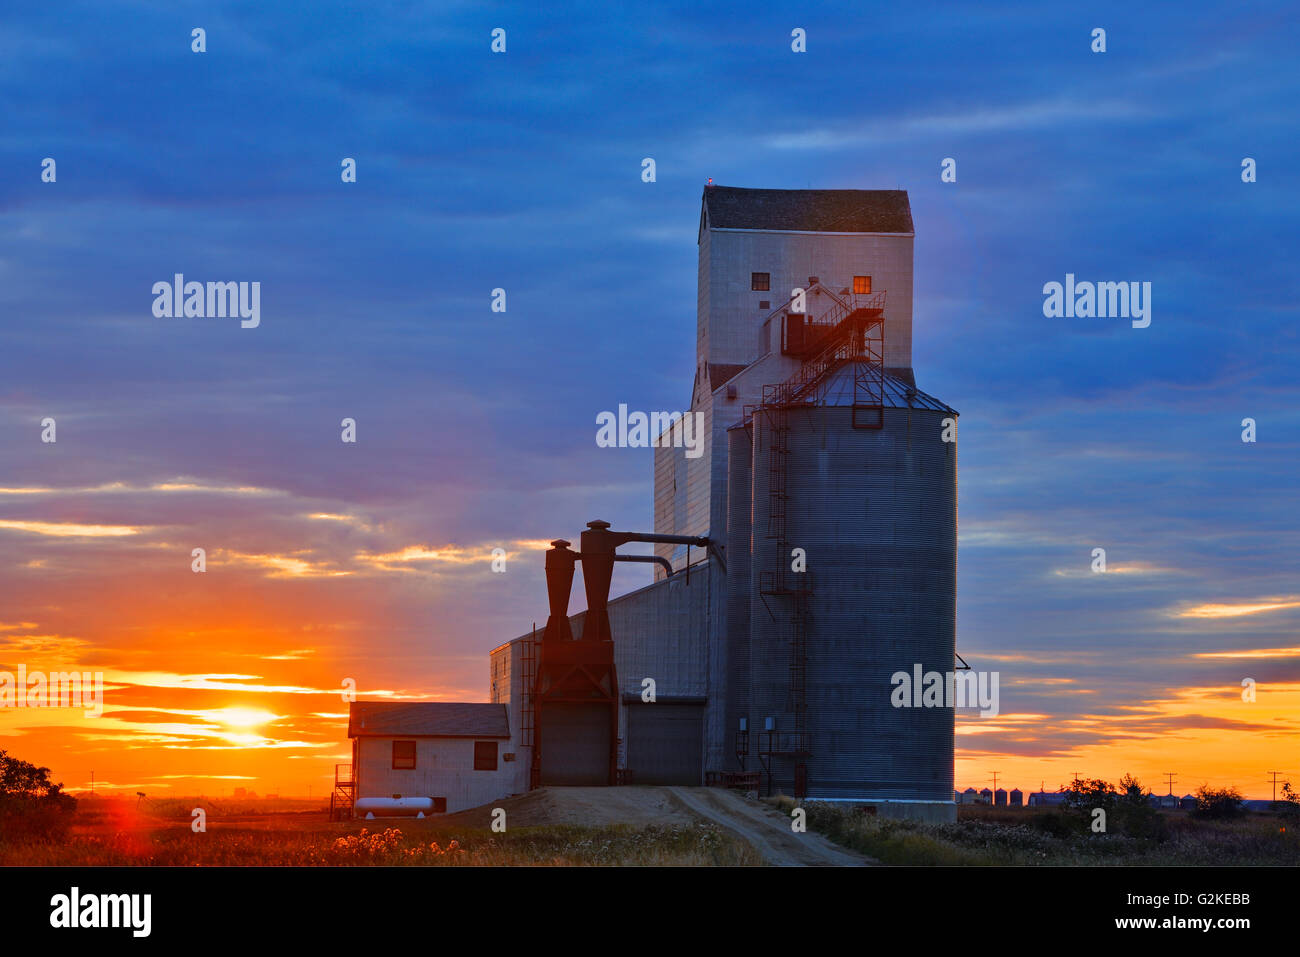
(1289, 807)
(1056, 824)
(1217, 804)
(1084, 795)
(1134, 814)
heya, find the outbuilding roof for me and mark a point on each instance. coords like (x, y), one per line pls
(809, 210)
(442, 719)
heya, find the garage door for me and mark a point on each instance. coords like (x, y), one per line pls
(665, 743)
(575, 744)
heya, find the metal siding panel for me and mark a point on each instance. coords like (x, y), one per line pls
(665, 743)
(662, 632)
(575, 744)
(739, 543)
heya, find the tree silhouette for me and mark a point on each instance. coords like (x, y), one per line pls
(32, 807)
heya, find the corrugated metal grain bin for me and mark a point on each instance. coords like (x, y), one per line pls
(875, 510)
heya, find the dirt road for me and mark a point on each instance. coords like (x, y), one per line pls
(582, 807)
(765, 828)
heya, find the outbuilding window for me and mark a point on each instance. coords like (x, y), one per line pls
(485, 755)
(403, 755)
(760, 281)
(861, 285)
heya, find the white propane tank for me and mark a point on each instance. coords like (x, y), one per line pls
(394, 807)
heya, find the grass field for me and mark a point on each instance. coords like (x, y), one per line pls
(1032, 836)
(283, 832)
(273, 831)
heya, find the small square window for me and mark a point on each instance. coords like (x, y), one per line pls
(861, 285)
(764, 304)
(485, 755)
(760, 281)
(403, 755)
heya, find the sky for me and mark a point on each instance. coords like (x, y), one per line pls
(371, 561)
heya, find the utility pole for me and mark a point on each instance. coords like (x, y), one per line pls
(995, 784)
(1076, 775)
(1170, 775)
(1275, 774)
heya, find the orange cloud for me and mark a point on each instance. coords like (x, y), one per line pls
(71, 530)
(1252, 653)
(1228, 610)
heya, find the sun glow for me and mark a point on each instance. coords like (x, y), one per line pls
(240, 717)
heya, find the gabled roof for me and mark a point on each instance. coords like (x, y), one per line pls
(448, 719)
(809, 210)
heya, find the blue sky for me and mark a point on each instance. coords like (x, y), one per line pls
(522, 171)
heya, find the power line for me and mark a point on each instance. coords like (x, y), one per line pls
(1275, 774)
(1171, 775)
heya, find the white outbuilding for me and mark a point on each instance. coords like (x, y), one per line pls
(456, 754)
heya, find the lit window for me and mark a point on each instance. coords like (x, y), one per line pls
(403, 755)
(760, 281)
(861, 285)
(485, 755)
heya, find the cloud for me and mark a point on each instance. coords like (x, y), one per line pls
(1019, 117)
(1237, 609)
(1267, 653)
(70, 530)
(286, 566)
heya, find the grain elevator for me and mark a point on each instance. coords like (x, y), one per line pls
(804, 557)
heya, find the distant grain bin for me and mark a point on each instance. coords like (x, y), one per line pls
(1017, 797)
(986, 796)
(1000, 797)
